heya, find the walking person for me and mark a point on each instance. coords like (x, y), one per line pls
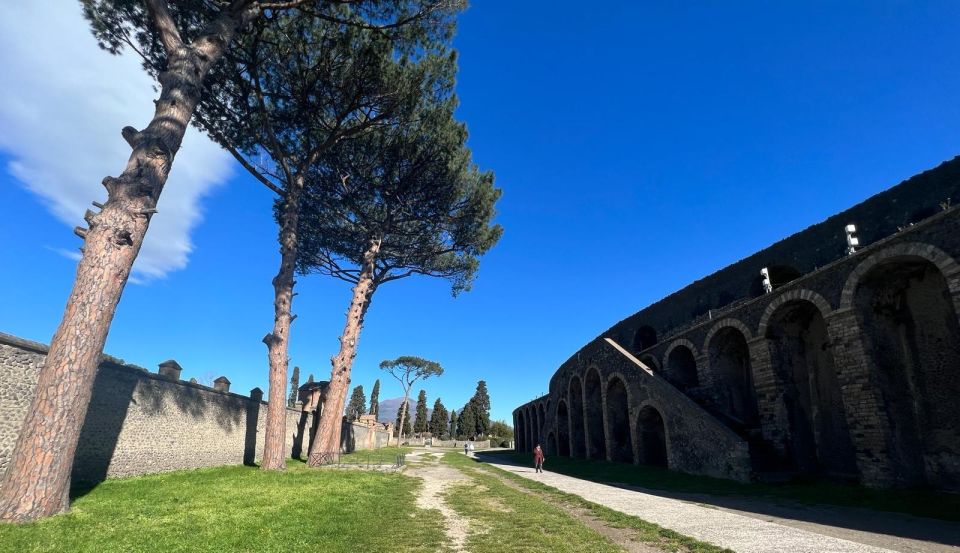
(538, 458)
(466, 448)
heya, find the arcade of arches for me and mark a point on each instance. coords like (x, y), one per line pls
(862, 388)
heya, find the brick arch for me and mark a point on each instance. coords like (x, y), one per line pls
(673, 345)
(792, 295)
(575, 404)
(638, 438)
(947, 265)
(724, 323)
(628, 453)
(593, 410)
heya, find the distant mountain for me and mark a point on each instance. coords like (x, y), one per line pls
(390, 407)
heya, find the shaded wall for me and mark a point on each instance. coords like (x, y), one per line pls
(139, 422)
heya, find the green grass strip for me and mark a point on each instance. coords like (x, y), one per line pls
(506, 520)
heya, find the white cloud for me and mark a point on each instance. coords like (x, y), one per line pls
(62, 104)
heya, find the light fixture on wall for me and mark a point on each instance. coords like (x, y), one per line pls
(765, 279)
(852, 240)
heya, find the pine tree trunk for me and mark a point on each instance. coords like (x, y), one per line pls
(278, 341)
(37, 481)
(327, 441)
(404, 409)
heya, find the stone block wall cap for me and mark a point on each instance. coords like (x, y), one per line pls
(222, 379)
(171, 363)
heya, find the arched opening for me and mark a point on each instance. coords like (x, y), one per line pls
(681, 369)
(800, 354)
(543, 423)
(779, 275)
(577, 429)
(530, 431)
(563, 429)
(912, 336)
(652, 437)
(618, 422)
(596, 446)
(551, 444)
(733, 378)
(645, 337)
(535, 425)
(519, 438)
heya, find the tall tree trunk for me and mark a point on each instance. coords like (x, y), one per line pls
(404, 410)
(278, 341)
(37, 481)
(327, 441)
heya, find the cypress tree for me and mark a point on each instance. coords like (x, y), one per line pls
(438, 419)
(357, 404)
(421, 424)
(375, 400)
(481, 403)
(294, 387)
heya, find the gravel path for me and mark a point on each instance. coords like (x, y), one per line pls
(743, 534)
(436, 478)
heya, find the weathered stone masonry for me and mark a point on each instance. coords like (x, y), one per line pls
(141, 422)
(849, 369)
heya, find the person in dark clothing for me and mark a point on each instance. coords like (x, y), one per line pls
(538, 458)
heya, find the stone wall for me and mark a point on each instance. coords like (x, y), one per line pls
(140, 422)
(357, 436)
(847, 370)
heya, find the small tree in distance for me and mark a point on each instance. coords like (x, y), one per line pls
(408, 369)
(375, 400)
(294, 387)
(453, 424)
(402, 424)
(438, 420)
(422, 424)
(357, 405)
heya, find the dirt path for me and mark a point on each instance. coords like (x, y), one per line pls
(436, 478)
(725, 527)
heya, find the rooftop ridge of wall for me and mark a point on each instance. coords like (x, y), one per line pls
(877, 217)
(116, 363)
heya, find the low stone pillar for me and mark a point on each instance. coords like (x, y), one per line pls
(256, 394)
(170, 369)
(221, 384)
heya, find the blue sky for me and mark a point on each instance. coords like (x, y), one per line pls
(639, 147)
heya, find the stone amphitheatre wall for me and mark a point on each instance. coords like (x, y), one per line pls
(878, 217)
(141, 422)
(845, 370)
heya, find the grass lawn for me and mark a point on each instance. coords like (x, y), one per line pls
(916, 502)
(644, 531)
(503, 519)
(239, 509)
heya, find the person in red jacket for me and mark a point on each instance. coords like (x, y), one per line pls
(538, 458)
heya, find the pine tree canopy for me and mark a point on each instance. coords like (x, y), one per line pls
(406, 187)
